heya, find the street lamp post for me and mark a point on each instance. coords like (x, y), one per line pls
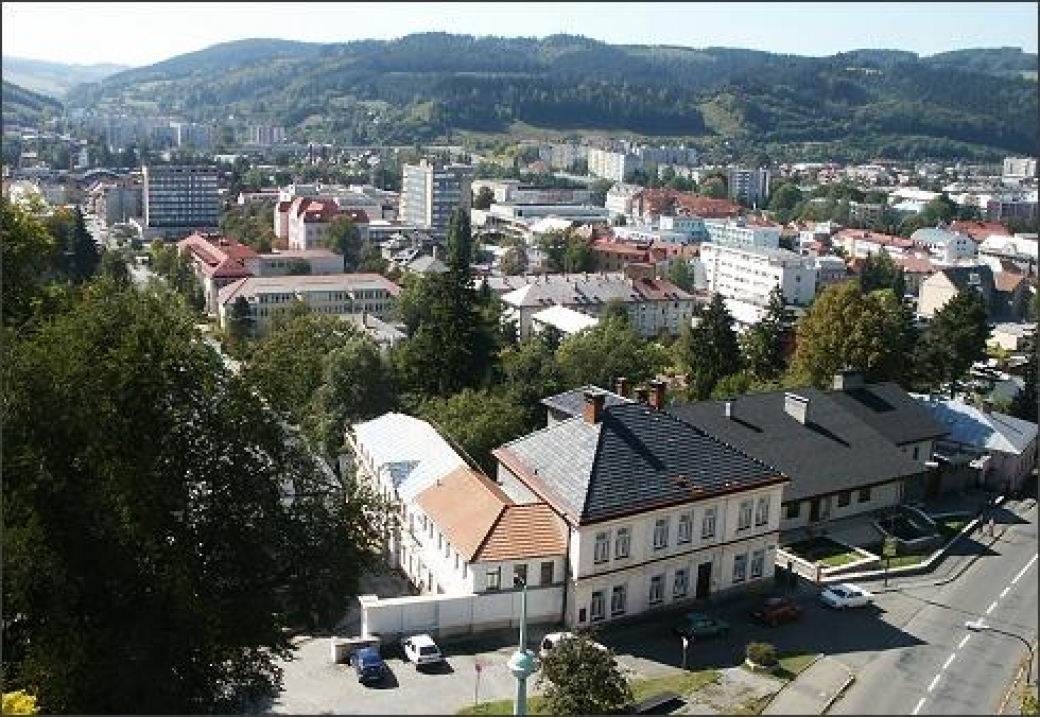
(523, 663)
(981, 626)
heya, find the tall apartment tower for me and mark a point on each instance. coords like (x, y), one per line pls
(179, 200)
(429, 194)
(750, 186)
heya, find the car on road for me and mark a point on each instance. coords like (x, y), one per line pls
(369, 665)
(846, 595)
(555, 638)
(701, 625)
(776, 610)
(422, 651)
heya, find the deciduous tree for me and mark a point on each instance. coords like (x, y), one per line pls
(953, 341)
(580, 678)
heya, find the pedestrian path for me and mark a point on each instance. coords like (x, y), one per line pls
(813, 691)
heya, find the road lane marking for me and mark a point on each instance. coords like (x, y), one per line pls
(964, 641)
(949, 660)
(935, 681)
(992, 607)
(1023, 570)
(920, 704)
(1004, 592)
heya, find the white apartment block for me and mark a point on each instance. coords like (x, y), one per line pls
(750, 186)
(1019, 167)
(751, 274)
(430, 193)
(743, 234)
(338, 295)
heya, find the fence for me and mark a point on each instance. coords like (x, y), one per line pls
(447, 615)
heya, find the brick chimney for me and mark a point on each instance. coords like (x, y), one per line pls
(642, 394)
(797, 407)
(657, 394)
(593, 411)
(621, 386)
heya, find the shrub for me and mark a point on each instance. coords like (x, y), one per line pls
(762, 653)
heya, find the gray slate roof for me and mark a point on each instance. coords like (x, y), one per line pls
(971, 277)
(890, 411)
(834, 451)
(635, 459)
(573, 402)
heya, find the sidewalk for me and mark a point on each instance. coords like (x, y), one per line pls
(813, 691)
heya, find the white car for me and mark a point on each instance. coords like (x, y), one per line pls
(846, 595)
(555, 638)
(422, 650)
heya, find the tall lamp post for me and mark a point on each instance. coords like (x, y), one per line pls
(980, 626)
(523, 663)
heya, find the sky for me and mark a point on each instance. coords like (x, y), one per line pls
(143, 33)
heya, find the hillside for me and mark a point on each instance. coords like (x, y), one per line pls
(25, 107)
(54, 79)
(427, 86)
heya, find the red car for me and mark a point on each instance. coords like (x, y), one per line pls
(777, 610)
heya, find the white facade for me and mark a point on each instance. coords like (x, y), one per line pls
(750, 186)
(429, 194)
(1019, 167)
(751, 274)
(740, 233)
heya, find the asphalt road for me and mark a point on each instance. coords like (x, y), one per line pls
(946, 668)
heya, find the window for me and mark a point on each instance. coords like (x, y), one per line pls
(739, 568)
(793, 509)
(917, 452)
(744, 519)
(758, 561)
(622, 543)
(685, 528)
(762, 511)
(596, 606)
(602, 550)
(656, 590)
(617, 600)
(661, 533)
(682, 583)
(844, 498)
(520, 573)
(494, 579)
(708, 524)
(547, 572)
(864, 495)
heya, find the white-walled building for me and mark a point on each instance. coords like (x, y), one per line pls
(750, 186)
(430, 193)
(1019, 167)
(743, 233)
(945, 245)
(751, 274)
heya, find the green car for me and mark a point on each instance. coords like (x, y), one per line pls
(700, 625)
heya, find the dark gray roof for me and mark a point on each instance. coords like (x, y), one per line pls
(890, 411)
(971, 277)
(636, 458)
(834, 451)
(573, 402)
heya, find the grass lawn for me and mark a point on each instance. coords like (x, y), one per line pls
(824, 550)
(949, 527)
(682, 684)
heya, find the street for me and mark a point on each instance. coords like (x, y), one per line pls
(951, 669)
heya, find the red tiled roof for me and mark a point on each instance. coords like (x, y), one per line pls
(523, 532)
(1005, 281)
(216, 255)
(978, 231)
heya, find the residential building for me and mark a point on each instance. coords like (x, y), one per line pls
(1002, 447)
(654, 305)
(977, 230)
(1012, 336)
(751, 274)
(309, 220)
(860, 243)
(430, 193)
(749, 186)
(569, 404)
(1020, 251)
(691, 227)
(191, 134)
(266, 135)
(118, 202)
(830, 270)
(743, 233)
(179, 200)
(338, 294)
(651, 204)
(945, 245)
(865, 213)
(567, 321)
(839, 464)
(656, 512)
(946, 283)
(1019, 167)
(621, 199)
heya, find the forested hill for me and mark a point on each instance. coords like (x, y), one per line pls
(421, 87)
(25, 107)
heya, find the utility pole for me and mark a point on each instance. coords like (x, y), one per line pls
(523, 663)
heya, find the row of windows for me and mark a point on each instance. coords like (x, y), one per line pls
(794, 508)
(547, 575)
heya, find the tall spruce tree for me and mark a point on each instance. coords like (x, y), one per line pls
(710, 350)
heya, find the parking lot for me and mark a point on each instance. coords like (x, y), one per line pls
(646, 647)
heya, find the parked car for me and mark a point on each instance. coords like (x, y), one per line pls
(422, 650)
(555, 638)
(777, 610)
(701, 625)
(369, 665)
(846, 595)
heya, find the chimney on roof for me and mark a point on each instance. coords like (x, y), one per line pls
(657, 394)
(729, 409)
(797, 407)
(621, 386)
(593, 411)
(847, 379)
(642, 394)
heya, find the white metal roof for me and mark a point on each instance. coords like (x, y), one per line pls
(566, 320)
(971, 426)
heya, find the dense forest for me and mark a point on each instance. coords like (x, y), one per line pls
(423, 87)
(22, 106)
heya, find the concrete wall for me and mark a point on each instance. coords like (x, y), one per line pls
(445, 615)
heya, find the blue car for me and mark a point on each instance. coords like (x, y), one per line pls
(369, 665)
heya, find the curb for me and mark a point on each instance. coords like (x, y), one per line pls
(776, 694)
(838, 695)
